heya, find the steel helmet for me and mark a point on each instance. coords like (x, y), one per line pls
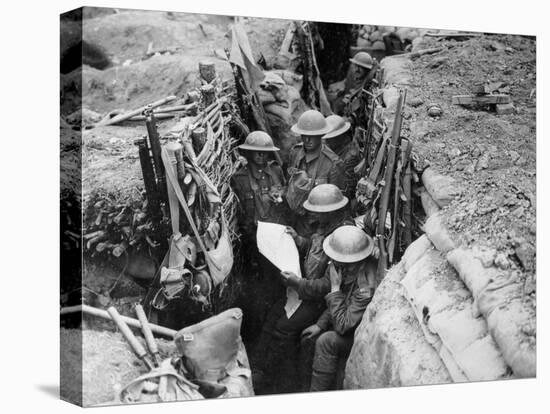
(258, 141)
(311, 123)
(338, 126)
(363, 59)
(348, 244)
(325, 198)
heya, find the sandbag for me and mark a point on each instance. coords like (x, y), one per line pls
(454, 370)
(507, 326)
(499, 298)
(292, 79)
(390, 95)
(438, 233)
(470, 269)
(209, 348)
(428, 204)
(443, 189)
(443, 304)
(397, 70)
(415, 251)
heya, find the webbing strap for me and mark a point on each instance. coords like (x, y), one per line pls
(173, 182)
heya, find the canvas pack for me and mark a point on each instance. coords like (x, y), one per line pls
(255, 206)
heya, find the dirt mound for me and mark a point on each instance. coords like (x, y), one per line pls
(107, 362)
(493, 156)
(127, 34)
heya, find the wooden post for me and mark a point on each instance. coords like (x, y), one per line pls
(208, 94)
(198, 137)
(207, 71)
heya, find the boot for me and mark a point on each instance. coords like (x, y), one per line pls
(321, 381)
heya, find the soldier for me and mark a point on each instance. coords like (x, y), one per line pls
(280, 335)
(311, 163)
(348, 286)
(362, 72)
(259, 186)
(341, 142)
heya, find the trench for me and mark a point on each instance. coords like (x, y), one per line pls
(246, 281)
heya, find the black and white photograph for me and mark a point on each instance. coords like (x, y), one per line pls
(255, 206)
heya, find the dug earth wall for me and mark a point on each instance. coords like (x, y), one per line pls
(453, 309)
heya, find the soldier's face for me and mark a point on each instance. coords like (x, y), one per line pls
(259, 158)
(311, 142)
(359, 71)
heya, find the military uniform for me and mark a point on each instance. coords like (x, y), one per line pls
(325, 167)
(279, 340)
(344, 312)
(253, 187)
(350, 154)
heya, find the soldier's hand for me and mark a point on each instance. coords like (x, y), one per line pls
(290, 279)
(292, 232)
(335, 278)
(311, 331)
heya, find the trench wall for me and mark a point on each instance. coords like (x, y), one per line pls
(445, 313)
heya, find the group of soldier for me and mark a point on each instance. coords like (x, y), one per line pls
(315, 201)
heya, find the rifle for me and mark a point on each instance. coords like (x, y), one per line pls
(405, 152)
(250, 106)
(154, 145)
(406, 235)
(385, 197)
(150, 183)
(368, 137)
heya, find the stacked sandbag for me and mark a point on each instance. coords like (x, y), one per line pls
(444, 308)
(442, 188)
(389, 347)
(372, 36)
(280, 96)
(499, 298)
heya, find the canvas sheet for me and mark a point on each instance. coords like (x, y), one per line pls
(279, 248)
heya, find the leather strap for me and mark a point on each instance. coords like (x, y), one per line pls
(173, 182)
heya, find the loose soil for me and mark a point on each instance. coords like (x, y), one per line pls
(492, 157)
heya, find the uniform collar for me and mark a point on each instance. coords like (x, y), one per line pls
(258, 172)
(310, 157)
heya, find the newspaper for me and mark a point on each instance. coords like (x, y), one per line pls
(279, 248)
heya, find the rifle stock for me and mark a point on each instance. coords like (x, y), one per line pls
(385, 197)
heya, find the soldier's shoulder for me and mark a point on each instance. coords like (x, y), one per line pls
(273, 164)
(241, 173)
(329, 153)
(295, 151)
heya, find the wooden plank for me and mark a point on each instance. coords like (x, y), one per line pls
(481, 100)
(505, 109)
(138, 111)
(160, 330)
(454, 34)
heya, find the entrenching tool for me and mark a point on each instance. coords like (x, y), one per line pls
(148, 334)
(138, 349)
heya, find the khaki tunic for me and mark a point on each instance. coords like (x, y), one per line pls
(253, 187)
